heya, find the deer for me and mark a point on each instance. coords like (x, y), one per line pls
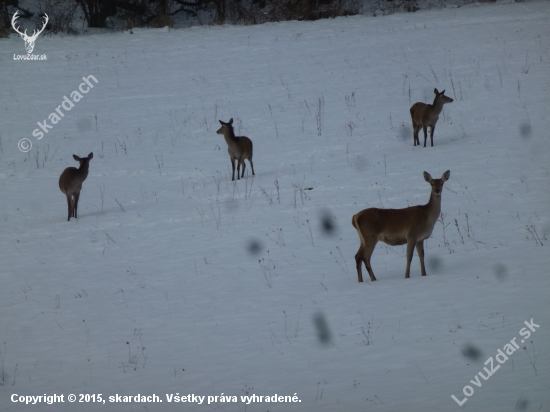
(239, 148)
(29, 40)
(395, 227)
(70, 183)
(424, 115)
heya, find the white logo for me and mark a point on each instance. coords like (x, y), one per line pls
(29, 40)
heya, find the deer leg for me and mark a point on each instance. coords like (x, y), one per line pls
(251, 166)
(410, 250)
(358, 263)
(425, 135)
(76, 197)
(69, 200)
(233, 167)
(243, 167)
(415, 134)
(432, 134)
(420, 251)
(418, 128)
(367, 253)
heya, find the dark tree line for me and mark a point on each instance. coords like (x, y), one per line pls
(159, 13)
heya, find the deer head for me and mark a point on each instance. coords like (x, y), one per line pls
(29, 40)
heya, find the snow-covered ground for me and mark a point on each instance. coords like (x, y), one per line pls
(176, 280)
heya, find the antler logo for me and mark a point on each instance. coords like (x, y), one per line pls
(29, 40)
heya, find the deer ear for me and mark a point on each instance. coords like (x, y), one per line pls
(231, 121)
(443, 92)
(220, 122)
(91, 155)
(75, 157)
(446, 175)
(435, 91)
(427, 177)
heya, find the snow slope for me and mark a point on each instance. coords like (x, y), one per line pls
(175, 280)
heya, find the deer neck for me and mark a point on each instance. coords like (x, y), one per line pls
(437, 107)
(83, 171)
(230, 138)
(434, 207)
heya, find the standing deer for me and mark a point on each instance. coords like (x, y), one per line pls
(398, 226)
(239, 148)
(424, 115)
(70, 183)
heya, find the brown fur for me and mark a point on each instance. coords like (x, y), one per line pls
(398, 227)
(70, 183)
(424, 115)
(239, 148)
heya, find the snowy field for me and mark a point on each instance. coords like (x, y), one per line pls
(176, 280)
